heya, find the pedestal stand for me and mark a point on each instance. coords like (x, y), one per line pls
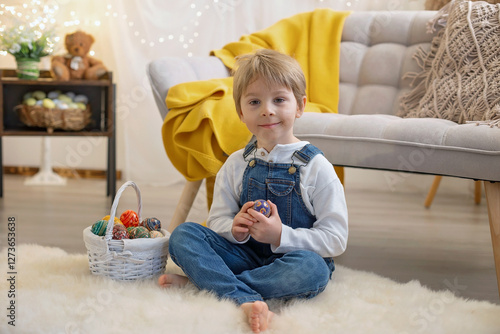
(45, 175)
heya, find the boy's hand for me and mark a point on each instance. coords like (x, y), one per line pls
(264, 229)
(242, 222)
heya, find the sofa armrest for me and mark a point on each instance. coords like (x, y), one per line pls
(166, 72)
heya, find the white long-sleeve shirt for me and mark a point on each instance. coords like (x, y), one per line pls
(322, 192)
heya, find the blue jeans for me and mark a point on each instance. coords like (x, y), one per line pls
(237, 273)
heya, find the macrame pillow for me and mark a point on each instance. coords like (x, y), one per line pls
(460, 78)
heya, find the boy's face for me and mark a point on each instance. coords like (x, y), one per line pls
(269, 113)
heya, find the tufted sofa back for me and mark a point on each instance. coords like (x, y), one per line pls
(377, 50)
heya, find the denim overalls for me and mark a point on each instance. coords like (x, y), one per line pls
(279, 183)
(251, 271)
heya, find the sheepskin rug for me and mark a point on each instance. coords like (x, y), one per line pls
(55, 293)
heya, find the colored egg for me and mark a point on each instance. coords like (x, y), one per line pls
(59, 105)
(81, 98)
(116, 220)
(64, 98)
(48, 103)
(39, 95)
(80, 105)
(152, 224)
(156, 234)
(262, 207)
(139, 232)
(99, 227)
(30, 101)
(54, 94)
(131, 232)
(119, 232)
(119, 227)
(129, 218)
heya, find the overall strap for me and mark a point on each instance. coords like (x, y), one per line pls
(249, 149)
(306, 153)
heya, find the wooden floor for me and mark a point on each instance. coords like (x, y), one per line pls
(391, 233)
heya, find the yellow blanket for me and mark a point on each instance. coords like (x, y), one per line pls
(202, 127)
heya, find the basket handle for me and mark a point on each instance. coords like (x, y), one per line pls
(109, 228)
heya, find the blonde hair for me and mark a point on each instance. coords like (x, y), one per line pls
(272, 66)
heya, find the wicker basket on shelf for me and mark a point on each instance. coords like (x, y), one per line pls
(71, 119)
(126, 259)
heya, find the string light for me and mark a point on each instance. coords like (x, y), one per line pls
(33, 16)
(43, 15)
(185, 38)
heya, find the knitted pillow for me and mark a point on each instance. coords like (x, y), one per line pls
(460, 78)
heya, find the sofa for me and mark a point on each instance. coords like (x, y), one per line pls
(377, 50)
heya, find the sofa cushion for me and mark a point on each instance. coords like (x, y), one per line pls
(420, 145)
(377, 49)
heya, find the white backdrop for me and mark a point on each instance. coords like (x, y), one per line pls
(129, 34)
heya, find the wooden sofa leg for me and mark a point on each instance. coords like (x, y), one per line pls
(185, 203)
(477, 192)
(432, 191)
(493, 201)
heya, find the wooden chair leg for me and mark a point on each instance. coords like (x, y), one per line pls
(477, 192)
(340, 173)
(493, 201)
(185, 203)
(432, 191)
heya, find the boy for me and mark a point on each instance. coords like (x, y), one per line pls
(243, 255)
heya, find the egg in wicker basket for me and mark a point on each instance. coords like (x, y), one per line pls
(67, 112)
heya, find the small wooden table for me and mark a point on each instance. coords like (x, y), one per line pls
(101, 95)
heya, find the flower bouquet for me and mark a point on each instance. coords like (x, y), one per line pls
(27, 45)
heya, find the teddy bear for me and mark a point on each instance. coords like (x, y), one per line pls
(77, 64)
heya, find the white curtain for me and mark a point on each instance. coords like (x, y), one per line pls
(129, 34)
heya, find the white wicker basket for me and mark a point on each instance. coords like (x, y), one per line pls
(128, 259)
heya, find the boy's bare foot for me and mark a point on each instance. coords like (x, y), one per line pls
(258, 315)
(172, 280)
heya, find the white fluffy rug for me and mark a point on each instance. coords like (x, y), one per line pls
(55, 293)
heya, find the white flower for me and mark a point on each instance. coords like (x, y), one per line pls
(15, 48)
(28, 43)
